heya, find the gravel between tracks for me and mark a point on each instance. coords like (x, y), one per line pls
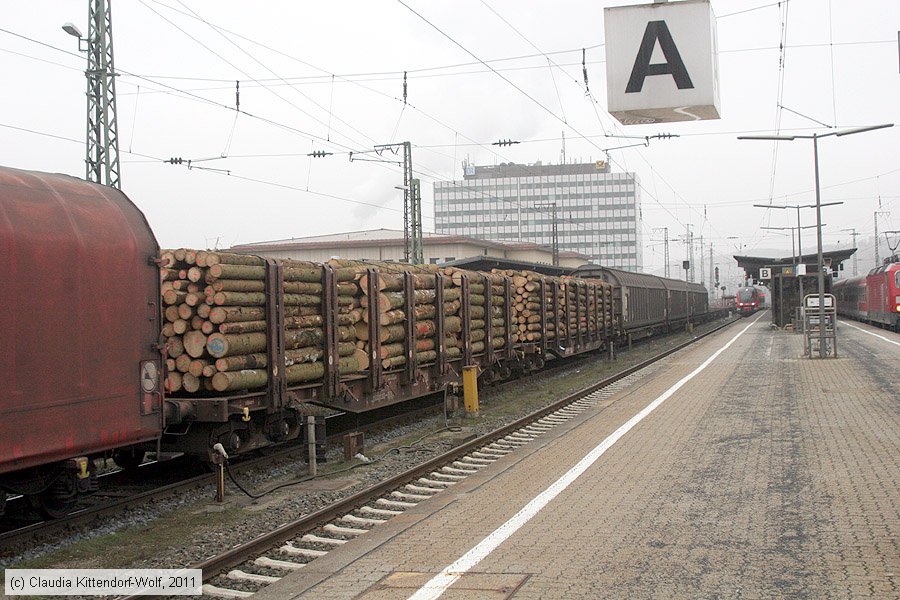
(189, 527)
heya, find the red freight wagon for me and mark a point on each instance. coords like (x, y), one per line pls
(79, 318)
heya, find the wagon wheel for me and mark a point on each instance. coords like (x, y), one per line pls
(56, 501)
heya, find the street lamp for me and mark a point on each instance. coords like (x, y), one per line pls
(73, 30)
(821, 263)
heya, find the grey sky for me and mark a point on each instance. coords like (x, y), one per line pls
(841, 67)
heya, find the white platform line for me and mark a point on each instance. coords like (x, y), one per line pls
(439, 584)
(881, 337)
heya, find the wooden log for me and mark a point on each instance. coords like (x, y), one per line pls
(393, 282)
(203, 311)
(299, 338)
(196, 367)
(242, 327)
(194, 343)
(313, 274)
(390, 333)
(209, 371)
(386, 301)
(216, 258)
(391, 350)
(387, 318)
(239, 285)
(235, 314)
(196, 274)
(167, 330)
(170, 364)
(194, 298)
(175, 346)
(180, 326)
(207, 327)
(451, 308)
(190, 383)
(239, 299)
(183, 363)
(173, 382)
(293, 374)
(302, 287)
(229, 271)
(238, 380)
(171, 313)
(185, 311)
(171, 297)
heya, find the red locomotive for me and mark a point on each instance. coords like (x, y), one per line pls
(874, 298)
(747, 300)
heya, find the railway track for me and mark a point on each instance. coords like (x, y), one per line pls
(240, 571)
(116, 501)
(121, 491)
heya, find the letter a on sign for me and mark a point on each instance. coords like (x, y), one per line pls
(661, 62)
(674, 66)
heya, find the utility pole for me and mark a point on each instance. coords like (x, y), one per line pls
(102, 138)
(665, 231)
(702, 273)
(690, 237)
(711, 287)
(412, 205)
(878, 212)
(854, 233)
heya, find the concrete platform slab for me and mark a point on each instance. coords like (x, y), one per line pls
(765, 475)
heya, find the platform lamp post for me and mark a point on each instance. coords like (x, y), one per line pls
(820, 262)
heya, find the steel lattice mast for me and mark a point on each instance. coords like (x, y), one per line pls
(102, 158)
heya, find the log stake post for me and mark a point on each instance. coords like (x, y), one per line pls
(568, 320)
(409, 298)
(595, 334)
(331, 358)
(465, 313)
(543, 300)
(507, 315)
(579, 340)
(276, 391)
(440, 343)
(488, 324)
(554, 301)
(374, 332)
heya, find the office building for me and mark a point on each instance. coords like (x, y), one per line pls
(598, 212)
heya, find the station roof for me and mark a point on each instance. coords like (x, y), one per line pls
(752, 264)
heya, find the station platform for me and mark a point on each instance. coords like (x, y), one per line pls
(760, 475)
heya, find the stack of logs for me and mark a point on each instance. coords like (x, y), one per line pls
(527, 289)
(393, 312)
(215, 312)
(216, 335)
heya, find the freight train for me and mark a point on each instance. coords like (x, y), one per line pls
(112, 348)
(873, 298)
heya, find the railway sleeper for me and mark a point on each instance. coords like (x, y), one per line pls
(273, 563)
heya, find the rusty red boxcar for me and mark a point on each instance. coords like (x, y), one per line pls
(79, 320)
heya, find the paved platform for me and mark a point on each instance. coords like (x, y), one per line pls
(766, 475)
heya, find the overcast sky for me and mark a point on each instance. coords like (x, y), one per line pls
(329, 76)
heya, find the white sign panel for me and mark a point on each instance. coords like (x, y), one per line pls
(765, 273)
(662, 62)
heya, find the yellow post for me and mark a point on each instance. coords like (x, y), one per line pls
(470, 390)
